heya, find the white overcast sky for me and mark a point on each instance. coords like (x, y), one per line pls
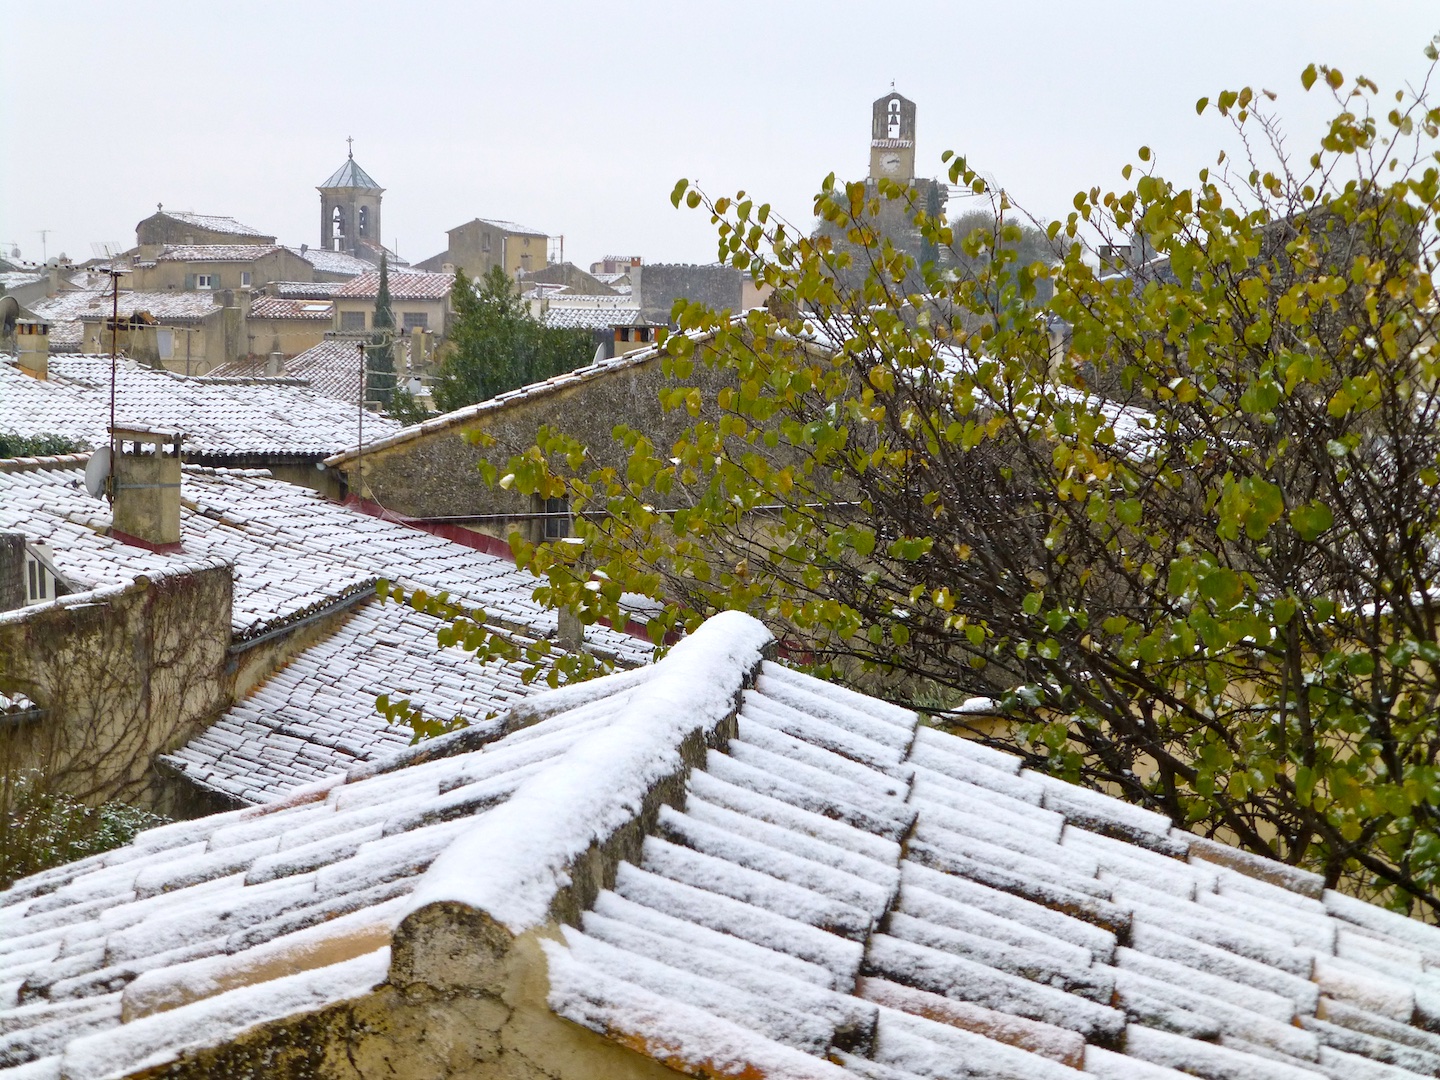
(578, 118)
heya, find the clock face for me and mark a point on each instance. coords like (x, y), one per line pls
(890, 163)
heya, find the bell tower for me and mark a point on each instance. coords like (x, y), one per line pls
(892, 138)
(350, 211)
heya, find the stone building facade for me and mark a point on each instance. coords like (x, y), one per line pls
(185, 227)
(431, 471)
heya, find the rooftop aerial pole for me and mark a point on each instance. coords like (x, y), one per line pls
(360, 425)
(114, 363)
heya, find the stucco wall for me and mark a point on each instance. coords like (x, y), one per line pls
(122, 675)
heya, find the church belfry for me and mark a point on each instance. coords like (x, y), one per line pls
(350, 211)
(892, 138)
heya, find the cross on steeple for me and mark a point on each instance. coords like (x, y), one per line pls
(350, 142)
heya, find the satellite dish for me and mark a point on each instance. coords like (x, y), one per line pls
(97, 472)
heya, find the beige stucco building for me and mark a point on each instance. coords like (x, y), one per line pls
(480, 245)
(218, 266)
(418, 300)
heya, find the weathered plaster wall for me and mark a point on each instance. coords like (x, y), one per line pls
(122, 675)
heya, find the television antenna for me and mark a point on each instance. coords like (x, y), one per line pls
(97, 473)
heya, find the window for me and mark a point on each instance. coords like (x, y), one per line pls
(165, 343)
(414, 320)
(363, 221)
(352, 320)
(485, 241)
(244, 279)
(557, 518)
(204, 281)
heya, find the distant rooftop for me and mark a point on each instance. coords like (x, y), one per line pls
(215, 223)
(404, 285)
(333, 262)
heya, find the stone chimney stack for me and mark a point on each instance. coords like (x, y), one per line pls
(146, 486)
(32, 344)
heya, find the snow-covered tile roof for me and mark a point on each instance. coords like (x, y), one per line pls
(592, 316)
(303, 290)
(331, 368)
(829, 890)
(220, 418)
(15, 279)
(215, 252)
(214, 222)
(333, 262)
(294, 553)
(509, 226)
(175, 306)
(282, 307)
(317, 717)
(403, 284)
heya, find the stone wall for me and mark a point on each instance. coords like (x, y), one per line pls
(436, 474)
(659, 285)
(12, 571)
(121, 674)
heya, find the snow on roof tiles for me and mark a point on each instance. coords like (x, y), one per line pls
(294, 553)
(331, 368)
(771, 924)
(100, 304)
(282, 307)
(403, 284)
(219, 418)
(303, 290)
(508, 226)
(215, 252)
(592, 316)
(215, 223)
(333, 262)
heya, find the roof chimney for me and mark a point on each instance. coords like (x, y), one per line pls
(32, 344)
(275, 365)
(146, 487)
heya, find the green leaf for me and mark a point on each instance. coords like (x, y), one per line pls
(1311, 520)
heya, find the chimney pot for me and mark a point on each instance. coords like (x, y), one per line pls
(275, 365)
(146, 478)
(32, 344)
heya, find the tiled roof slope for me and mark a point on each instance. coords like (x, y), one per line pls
(219, 418)
(282, 307)
(331, 368)
(333, 262)
(215, 223)
(317, 717)
(215, 252)
(100, 304)
(838, 892)
(403, 284)
(592, 317)
(292, 549)
(303, 290)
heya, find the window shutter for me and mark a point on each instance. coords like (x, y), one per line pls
(189, 281)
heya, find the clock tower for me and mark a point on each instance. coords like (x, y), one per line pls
(892, 138)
